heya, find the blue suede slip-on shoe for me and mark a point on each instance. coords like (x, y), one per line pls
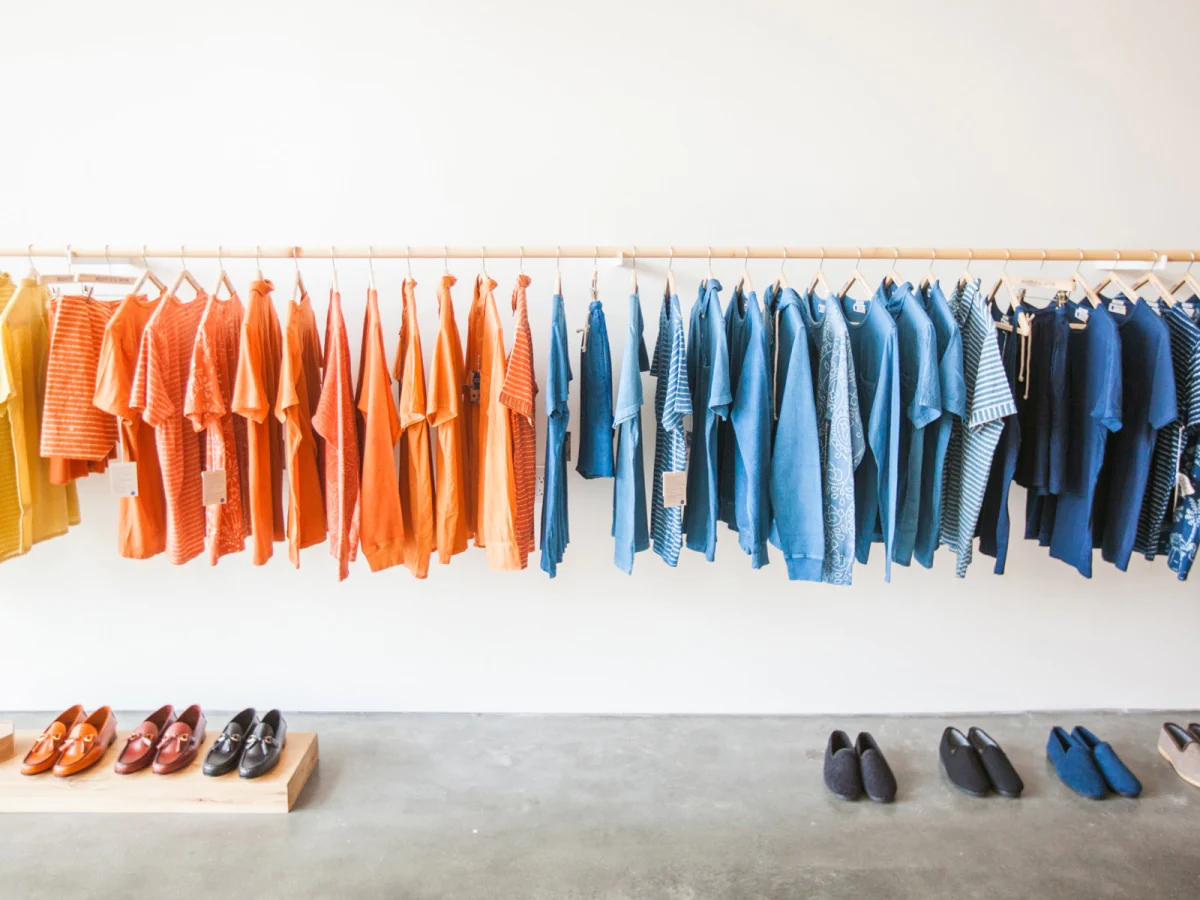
(1115, 772)
(1075, 766)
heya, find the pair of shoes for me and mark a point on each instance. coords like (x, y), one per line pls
(854, 769)
(1088, 765)
(1181, 748)
(976, 764)
(163, 742)
(72, 742)
(250, 745)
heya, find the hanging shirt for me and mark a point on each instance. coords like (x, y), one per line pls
(447, 413)
(10, 496)
(1149, 404)
(630, 530)
(141, 520)
(973, 440)
(672, 401)
(381, 520)
(298, 395)
(556, 532)
(209, 397)
(519, 394)
(1096, 396)
(255, 392)
(797, 527)
(708, 377)
(921, 405)
(159, 393)
(491, 447)
(1042, 457)
(744, 482)
(875, 343)
(595, 398)
(73, 428)
(416, 472)
(335, 421)
(840, 436)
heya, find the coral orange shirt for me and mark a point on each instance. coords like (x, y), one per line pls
(159, 392)
(209, 407)
(335, 421)
(381, 522)
(490, 433)
(416, 475)
(141, 520)
(299, 393)
(447, 413)
(254, 396)
(73, 428)
(519, 395)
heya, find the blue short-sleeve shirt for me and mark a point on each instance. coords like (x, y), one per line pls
(708, 374)
(556, 531)
(595, 398)
(672, 401)
(630, 529)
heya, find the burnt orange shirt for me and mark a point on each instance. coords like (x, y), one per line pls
(381, 523)
(141, 520)
(519, 395)
(159, 392)
(254, 395)
(416, 475)
(335, 421)
(208, 406)
(490, 432)
(73, 428)
(446, 412)
(299, 393)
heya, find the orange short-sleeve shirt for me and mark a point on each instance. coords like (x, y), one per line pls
(446, 411)
(416, 475)
(73, 427)
(519, 395)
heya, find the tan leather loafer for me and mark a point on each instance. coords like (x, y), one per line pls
(140, 745)
(1179, 747)
(86, 743)
(180, 742)
(49, 746)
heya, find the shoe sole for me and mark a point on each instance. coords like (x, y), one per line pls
(1190, 781)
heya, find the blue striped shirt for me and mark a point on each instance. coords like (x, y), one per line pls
(672, 402)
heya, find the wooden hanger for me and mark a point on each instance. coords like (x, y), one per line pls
(1186, 279)
(333, 267)
(893, 277)
(1114, 278)
(147, 275)
(930, 277)
(966, 275)
(184, 275)
(856, 277)
(298, 288)
(744, 283)
(633, 285)
(819, 279)
(94, 278)
(670, 289)
(781, 281)
(1155, 282)
(1014, 299)
(222, 278)
(557, 271)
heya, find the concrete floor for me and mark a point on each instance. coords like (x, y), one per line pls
(531, 807)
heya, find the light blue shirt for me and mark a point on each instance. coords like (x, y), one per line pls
(708, 375)
(672, 401)
(555, 529)
(630, 531)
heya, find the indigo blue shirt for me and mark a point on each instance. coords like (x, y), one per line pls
(1042, 458)
(595, 398)
(994, 524)
(555, 529)
(708, 375)
(630, 530)
(672, 401)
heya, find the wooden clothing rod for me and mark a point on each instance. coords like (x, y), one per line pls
(630, 251)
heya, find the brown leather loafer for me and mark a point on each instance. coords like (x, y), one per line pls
(139, 746)
(86, 743)
(49, 746)
(180, 742)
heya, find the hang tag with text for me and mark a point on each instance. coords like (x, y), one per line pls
(123, 478)
(1117, 307)
(674, 489)
(1082, 313)
(860, 306)
(539, 483)
(1184, 484)
(567, 446)
(213, 487)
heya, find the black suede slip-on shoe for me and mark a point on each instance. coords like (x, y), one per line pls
(962, 765)
(842, 775)
(1000, 772)
(878, 780)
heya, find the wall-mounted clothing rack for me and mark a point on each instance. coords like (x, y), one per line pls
(609, 251)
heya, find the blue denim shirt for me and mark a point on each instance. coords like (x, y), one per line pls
(595, 398)
(708, 378)
(672, 401)
(556, 532)
(630, 529)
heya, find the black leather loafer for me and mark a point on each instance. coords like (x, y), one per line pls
(1004, 778)
(263, 746)
(226, 751)
(962, 764)
(877, 777)
(842, 775)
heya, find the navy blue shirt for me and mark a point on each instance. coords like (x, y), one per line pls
(1041, 461)
(994, 524)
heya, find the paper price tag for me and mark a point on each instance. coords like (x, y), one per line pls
(674, 489)
(539, 483)
(859, 306)
(213, 487)
(1184, 484)
(1082, 313)
(1117, 307)
(123, 478)
(476, 382)
(567, 446)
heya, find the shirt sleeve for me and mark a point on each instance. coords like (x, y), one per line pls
(204, 404)
(150, 391)
(993, 398)
(1163, 406)
(954, 388)
(1109, 404)
(927, 398)
(719, 396)
(249, 392)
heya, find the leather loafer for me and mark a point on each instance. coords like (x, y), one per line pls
(264, 745)
(87, 741)
(140, 745)
(226, 751)
(49, 746)
(180, 742)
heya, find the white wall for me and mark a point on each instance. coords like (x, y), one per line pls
(538, 122)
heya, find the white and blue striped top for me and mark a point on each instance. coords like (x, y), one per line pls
(672, 401)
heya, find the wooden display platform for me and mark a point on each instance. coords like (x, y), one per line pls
(6, 740)
(100, 789)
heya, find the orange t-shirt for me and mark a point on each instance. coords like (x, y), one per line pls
(73, 428)
(159, 391)
(141, 520)
(254, 396)
(335, 421)
(519, 394)
(209, 395)
(416, 476)
(490, 433)
(299, 393)
(381, 522)
(447, 414)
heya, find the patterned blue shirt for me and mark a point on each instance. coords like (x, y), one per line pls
(672, 402)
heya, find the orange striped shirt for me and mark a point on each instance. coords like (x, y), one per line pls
(159, 392)
(73, 428)
(416, 476)
(447, 413)
(519, 394)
